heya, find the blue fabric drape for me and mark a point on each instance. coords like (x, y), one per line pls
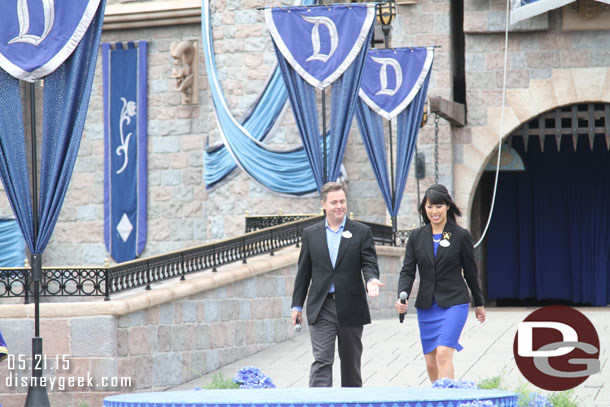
(285, 172)
(259, 121)
(13, 162)
(66, 99)
(343, 100)
(12, 245)
(371, 129)
(549, 237)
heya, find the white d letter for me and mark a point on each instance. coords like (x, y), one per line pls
(526, 336)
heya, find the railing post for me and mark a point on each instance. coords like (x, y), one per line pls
(243, 250)
(297, 236)
(107, 279)
(214, 259)
(26, 281)
(182, 277)
(148, 275)
(271, 240)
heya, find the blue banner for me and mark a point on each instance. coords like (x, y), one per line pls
(38, 36)
(320, 43)
(392, 78)
(125, 147)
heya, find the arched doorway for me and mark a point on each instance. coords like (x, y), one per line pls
(549, 239)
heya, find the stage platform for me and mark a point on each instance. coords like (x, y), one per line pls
(314, 397)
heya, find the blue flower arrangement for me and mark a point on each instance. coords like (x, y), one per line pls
(536, 400)
(250, 377)
(447, 383)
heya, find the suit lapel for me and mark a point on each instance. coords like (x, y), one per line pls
(344, 242)
(441, 250)
(428, 244)
(323, 244)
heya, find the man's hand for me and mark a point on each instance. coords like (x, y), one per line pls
(372, 287)
(296, 315)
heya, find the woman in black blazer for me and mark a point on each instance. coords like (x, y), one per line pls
(441, 250)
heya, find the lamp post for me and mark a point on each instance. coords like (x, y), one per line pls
(37, 394)
(386, 12)
(324, 154)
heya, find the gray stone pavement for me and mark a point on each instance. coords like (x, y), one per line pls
(393, 356)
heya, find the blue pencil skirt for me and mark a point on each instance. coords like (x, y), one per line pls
(441, 326)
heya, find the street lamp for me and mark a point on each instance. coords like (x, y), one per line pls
(386, 12)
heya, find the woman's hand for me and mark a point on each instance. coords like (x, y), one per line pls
(480, 313)
(400, 307)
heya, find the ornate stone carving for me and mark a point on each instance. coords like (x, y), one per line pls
(186, 67)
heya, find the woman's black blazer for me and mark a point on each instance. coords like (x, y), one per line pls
(441, 278)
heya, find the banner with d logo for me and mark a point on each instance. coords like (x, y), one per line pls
(317, 47)
(393, 77)
(57, 41)
(38, 36)
(394, 85)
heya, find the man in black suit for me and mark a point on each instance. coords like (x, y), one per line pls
(335, 256)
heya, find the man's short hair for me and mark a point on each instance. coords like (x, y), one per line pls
(331, 187)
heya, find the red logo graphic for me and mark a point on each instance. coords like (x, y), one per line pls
(556, 348)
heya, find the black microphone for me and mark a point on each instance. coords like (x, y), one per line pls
(297, 326)
(403, 300)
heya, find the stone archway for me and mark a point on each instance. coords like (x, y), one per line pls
(564, 87)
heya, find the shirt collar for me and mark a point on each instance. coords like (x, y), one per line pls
(341, 227)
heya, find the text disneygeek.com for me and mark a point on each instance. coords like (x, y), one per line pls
(61, 383)
(21, 368)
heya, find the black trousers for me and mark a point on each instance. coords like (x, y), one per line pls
(323, 334)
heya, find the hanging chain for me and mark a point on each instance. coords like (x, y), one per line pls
(436, 119)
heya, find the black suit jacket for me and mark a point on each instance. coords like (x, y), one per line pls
(356, 258)
(441, 277)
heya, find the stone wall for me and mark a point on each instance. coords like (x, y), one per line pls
(167, 336)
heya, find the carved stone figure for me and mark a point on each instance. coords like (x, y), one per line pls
(185, 69)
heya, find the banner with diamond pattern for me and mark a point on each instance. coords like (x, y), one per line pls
(125, 147)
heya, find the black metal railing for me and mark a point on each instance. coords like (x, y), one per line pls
(265, 221)
(106, 281)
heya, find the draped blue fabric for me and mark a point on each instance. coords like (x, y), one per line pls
(125, 149)
(66, 99)
(12, 245)
(343, 102)
(13, 162)
(549, 237)
(372, 131)
(285, 172)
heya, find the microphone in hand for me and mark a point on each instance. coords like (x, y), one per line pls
(297, 326)
(403, 300)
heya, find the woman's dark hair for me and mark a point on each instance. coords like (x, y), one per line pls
(438, 194)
